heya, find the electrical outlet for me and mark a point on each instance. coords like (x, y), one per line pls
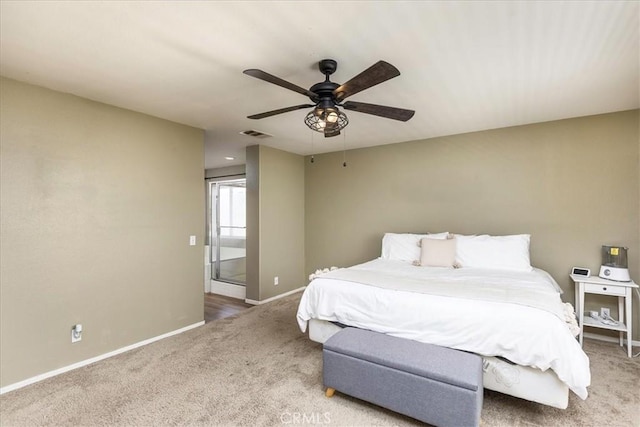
(604, 312)
(275, 281)
(76, 333)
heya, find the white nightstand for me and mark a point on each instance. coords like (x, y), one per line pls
(597, 285)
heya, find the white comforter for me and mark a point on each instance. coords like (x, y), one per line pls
(526, 335)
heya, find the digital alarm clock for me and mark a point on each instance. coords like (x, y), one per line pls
(581, 271)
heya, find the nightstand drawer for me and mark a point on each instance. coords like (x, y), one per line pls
(592, 288)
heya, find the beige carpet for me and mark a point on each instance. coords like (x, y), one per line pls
(258, 369)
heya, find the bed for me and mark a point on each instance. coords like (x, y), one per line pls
(495, 305)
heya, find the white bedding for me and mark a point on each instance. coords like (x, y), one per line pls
(521, 333)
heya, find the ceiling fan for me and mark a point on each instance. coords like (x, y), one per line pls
(327, 96)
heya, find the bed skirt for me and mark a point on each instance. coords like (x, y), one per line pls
(498, 375)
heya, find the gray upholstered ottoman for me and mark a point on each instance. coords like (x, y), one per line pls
(433, 384)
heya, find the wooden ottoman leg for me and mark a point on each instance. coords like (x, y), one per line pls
(330, 391)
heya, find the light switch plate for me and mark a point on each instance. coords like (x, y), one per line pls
(192, 240)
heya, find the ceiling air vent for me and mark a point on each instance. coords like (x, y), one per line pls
(255, 134)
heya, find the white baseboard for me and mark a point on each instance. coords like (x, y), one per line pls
(599, 337)
(264, 301)
(86, 362)
(228, 289)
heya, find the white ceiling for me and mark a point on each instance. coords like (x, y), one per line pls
(466, 66)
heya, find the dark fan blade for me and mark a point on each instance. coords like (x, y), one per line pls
(259, 74)
(280, 111)
(328, 133)
(379, 72)
(379, 110)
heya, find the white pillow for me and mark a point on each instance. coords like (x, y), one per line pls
(405, 246)
(494, 252)
(439, 236)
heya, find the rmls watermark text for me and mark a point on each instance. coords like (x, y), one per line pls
(297, 418)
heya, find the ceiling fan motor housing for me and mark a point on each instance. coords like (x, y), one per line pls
(324, 90)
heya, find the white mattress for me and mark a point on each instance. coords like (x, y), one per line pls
(525, 335)
(515, 380)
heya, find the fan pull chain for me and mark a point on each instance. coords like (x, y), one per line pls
(344, 148)
(312, 150)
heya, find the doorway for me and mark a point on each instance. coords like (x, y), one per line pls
(227, 235)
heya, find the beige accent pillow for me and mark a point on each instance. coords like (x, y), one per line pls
(438, 252)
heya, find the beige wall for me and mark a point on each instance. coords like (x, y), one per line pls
(253, 222)
(230, 172)
(97, 207)
(572, 184)
(275, 222)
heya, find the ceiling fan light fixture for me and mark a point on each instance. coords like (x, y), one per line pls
(320, 119)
